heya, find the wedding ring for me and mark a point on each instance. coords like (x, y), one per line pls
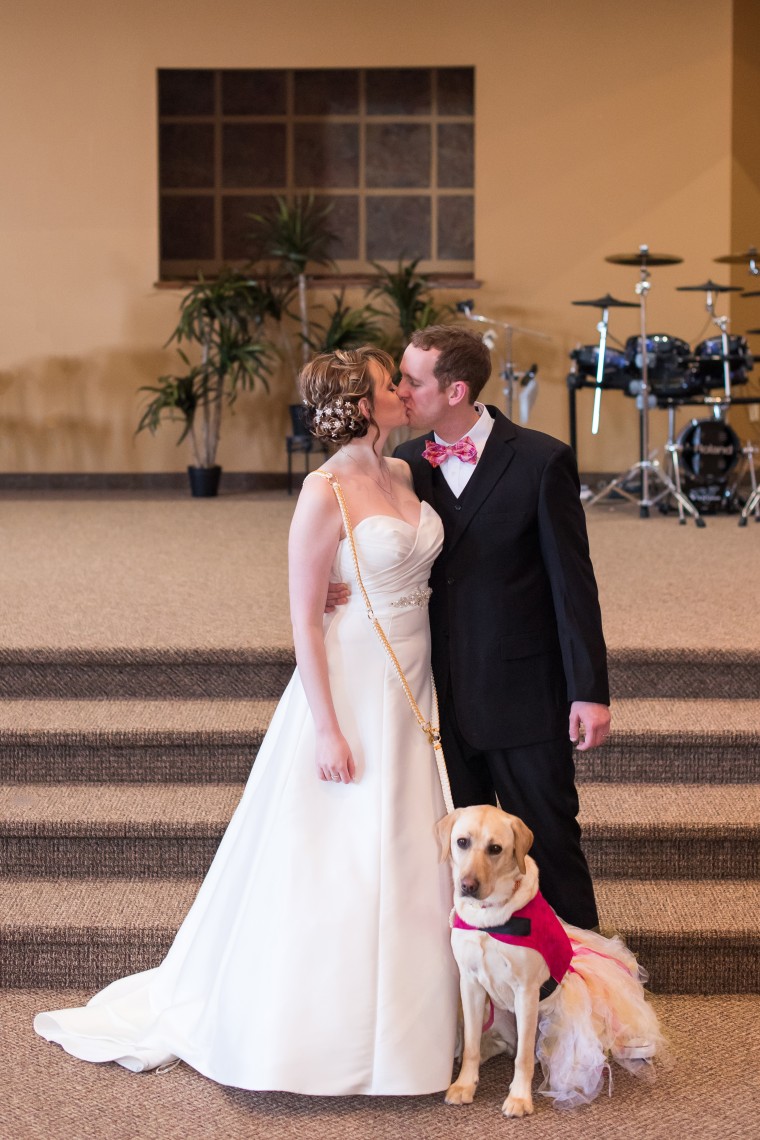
(336, 779)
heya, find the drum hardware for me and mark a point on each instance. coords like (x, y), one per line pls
(647, 466)
(750, 257)
(605, 304)
(753, 502)
(750, 451)
(509, 375)
(710, 289)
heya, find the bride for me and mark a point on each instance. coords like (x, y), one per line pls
(316, 956)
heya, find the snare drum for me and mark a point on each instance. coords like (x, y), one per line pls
(708, 366)
(668, 360)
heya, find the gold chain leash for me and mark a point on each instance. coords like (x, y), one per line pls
(429, 727)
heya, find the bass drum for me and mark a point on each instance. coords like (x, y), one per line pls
(709, 451)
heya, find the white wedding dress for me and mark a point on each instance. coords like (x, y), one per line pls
(316, 956)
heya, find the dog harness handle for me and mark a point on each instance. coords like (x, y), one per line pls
(431, 728)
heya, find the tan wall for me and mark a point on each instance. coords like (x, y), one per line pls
(599, 126)
(745, 190)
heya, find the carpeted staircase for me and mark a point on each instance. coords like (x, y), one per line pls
(119, 769)
(110, 812)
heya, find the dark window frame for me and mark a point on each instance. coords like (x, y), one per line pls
(212, 208)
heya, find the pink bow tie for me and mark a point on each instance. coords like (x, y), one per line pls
(463, 449)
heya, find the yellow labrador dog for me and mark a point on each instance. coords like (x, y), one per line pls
(582, 992)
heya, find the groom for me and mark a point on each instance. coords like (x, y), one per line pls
(518, 652)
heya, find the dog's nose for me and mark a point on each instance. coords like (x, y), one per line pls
(470, 886)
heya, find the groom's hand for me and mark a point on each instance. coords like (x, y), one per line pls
(590, 721)
(337, 595)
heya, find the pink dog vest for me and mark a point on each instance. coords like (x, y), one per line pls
(546, 934)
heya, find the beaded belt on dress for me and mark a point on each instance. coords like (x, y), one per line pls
(419, 597)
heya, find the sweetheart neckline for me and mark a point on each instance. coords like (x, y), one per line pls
(396, 518)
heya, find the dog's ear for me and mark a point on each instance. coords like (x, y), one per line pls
(443, 831)
(523, 841)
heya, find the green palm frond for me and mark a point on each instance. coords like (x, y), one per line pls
(347, 327)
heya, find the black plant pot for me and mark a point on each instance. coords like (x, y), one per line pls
(204, 481)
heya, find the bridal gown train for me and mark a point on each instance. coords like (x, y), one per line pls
(316, 956)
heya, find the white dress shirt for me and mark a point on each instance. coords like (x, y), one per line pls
(457, 473)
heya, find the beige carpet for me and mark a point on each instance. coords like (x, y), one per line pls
(157, 572)
(712, 1092)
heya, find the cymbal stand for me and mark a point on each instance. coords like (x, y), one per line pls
(753, 502)
(509, 375)
(647, 467)
(602, 329)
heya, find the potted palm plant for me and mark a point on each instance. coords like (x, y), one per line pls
(289, 240)
(223, 319)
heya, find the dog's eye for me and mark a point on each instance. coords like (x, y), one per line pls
(463, 842)
(494, 849)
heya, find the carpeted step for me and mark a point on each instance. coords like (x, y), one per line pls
(147, 831)
(130, 741)
(145, 674)
(708, 673)
(655, 741)
(677, 831)
(683, 741)
(166, 831)
(240, 673)
(692, 937)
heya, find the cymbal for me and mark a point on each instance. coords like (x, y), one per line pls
(753, 332)
(607, 302)
(643, 257)
(751, 254)
(751, 293)
(709, 287)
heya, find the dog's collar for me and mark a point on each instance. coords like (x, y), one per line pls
(517, 926)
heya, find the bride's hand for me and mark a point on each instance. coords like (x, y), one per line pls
(334, 759)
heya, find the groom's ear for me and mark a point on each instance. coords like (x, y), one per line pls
(459, 392)
(443, 831)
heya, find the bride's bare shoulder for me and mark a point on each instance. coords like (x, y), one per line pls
(316, 501)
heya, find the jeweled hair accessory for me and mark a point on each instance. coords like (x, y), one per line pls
(341, 415)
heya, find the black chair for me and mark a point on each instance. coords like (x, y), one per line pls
(301, 440)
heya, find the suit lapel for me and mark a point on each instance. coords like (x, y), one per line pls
(497, 455)
(422, 472)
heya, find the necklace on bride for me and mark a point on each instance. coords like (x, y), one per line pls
(386, 490)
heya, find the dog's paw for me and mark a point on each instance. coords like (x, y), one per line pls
(517, 1106)
(460, 1094)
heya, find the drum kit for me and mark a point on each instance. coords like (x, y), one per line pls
(662, 371)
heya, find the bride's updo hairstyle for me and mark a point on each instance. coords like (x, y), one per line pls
(333, 383)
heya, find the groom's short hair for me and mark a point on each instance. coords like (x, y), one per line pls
(463, 356)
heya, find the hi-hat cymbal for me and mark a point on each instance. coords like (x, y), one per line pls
(749, 255)
(644, 257)
(607, 302)
(708, 287)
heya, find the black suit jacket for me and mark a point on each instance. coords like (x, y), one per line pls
(515, 620)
